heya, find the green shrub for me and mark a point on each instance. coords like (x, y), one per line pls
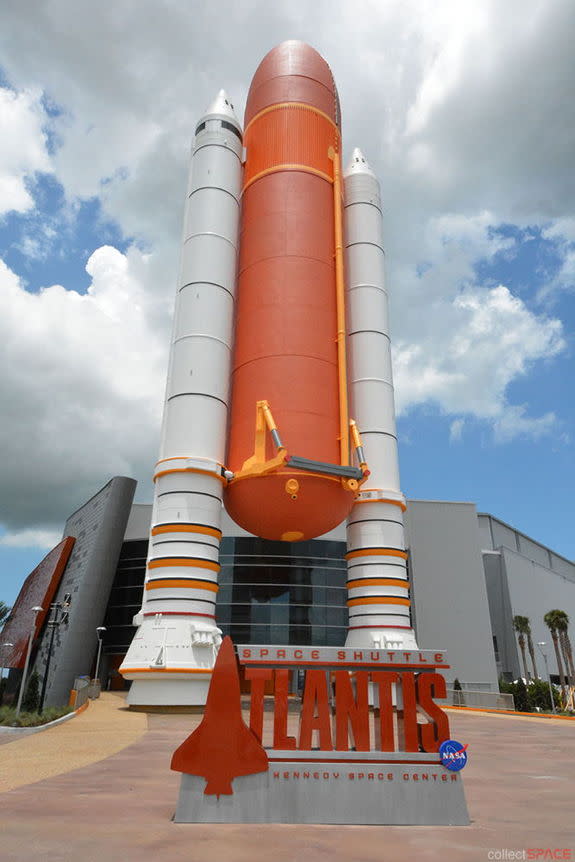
(31, 719)
(539, 696)
(31, 699)
(522, 700)
(506, 687)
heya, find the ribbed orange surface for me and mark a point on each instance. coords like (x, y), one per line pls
(293, 135)
(286, 321)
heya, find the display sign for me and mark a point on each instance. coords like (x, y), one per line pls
(362, 740)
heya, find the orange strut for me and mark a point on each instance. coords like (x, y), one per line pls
(340, 297)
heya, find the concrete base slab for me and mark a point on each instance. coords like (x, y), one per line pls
(363, 793)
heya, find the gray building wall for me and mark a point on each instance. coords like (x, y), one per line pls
(524, 578)
(448, 589)
(99, 527)
(139, 522)
(533, 590)
(500, 611)
(470, 575)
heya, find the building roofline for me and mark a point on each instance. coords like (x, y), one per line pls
(525, 536)
(96, 494)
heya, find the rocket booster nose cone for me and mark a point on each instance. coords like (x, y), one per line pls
(358, 164)
(222, 106)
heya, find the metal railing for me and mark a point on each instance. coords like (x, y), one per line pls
(480, 699)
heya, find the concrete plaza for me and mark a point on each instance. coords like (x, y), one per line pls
(99, 787)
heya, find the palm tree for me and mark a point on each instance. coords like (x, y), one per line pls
(562, 624)
(531, 648)
(551, 620)
(521, 625)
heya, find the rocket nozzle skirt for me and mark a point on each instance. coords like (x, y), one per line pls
(286, 339)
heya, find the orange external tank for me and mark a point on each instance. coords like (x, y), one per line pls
(290, 335)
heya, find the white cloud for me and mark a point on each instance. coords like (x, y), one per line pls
(456, 430)
(464, 110)
(562, 234)
(514, 422)
(472, 348)
(43, 539)
(81, 387)
(22, 147)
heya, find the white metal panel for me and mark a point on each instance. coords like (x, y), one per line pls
(365, 264)
(199, 367)
(364, 226)
(371, 356)
(198, 303)
(210, 259)
(215, 162)
(211, 210)
(197, 424)
(184, 548)
(367, 534)
(368, 310)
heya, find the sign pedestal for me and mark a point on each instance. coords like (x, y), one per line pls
(385, 793)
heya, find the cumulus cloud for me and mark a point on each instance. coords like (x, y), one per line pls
(562, 236)
(43, 539)
(464, 110)
(81, 386)
(474, 347)
(514, 422)
(456, 430)
(23, 149)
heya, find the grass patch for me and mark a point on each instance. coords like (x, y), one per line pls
(31, 719)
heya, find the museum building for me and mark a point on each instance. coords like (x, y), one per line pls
(470, 574)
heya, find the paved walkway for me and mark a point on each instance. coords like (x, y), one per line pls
(519, 786)
(103, 729)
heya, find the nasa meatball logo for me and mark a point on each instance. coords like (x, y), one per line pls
(453, 755)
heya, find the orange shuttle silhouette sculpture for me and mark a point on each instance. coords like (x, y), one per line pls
(222, 747)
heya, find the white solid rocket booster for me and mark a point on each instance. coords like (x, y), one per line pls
(378, 588)
(177, 638)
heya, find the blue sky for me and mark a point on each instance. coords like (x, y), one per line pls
(480, 233)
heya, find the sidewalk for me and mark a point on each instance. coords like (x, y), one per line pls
(518, 784)
(103, 729)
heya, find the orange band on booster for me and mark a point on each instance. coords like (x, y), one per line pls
(165, 583)
(181, 561)
(186, 528)
(376, 552)
(378, 582)
(378, 600)
(398, 503)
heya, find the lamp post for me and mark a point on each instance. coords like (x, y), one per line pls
(541, 644)
(59, 615)
(100, 632)
(3, 668)
(36, 610)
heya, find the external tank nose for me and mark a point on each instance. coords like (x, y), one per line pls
(293, 72)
